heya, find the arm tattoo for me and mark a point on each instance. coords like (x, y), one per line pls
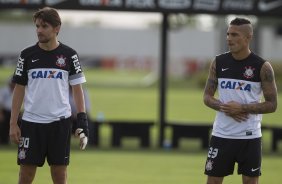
(210, 89)
(269, 91)
(211, 86)
(267, 74)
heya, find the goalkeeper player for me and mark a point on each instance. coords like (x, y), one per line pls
(43, 75)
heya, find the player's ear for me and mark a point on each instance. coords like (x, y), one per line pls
(250, 37)
(57, 29)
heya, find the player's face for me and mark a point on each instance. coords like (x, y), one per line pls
(236, 39)
(45, 31)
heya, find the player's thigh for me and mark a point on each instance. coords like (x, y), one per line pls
(249, 159)
(59, 142)
(32, 146)
(220, 160)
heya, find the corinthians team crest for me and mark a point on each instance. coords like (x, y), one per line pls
(61, 61)
(22, 154)
(249, 72)
(209, 165)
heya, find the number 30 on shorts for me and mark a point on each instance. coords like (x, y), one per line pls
(212, 152)
(24, 142)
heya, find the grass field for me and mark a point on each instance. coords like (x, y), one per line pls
(124, 96)
(110, 166)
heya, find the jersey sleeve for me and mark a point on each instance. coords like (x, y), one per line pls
(76, 75)
(20, 74)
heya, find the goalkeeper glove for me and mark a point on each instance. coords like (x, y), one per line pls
(82, 129)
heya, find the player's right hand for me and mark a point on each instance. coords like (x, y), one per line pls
(82, 129)
(82, 138)
(240, 117)
(15, 133)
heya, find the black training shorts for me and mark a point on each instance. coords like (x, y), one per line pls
(224, 153)
(39, 141)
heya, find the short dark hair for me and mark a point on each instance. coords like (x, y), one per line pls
(49, 15)
(240, 21)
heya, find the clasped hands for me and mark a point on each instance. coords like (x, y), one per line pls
(234, 110)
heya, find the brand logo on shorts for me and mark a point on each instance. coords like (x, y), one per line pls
(22, 154)
(253, 170)
(209, 165)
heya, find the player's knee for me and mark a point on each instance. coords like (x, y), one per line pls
(214, 180)
(26, 175)
(59, 174)
(250, 180)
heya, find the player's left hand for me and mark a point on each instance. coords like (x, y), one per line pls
(82, 129)
(234, 110)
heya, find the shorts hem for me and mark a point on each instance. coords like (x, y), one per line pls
(217, 175)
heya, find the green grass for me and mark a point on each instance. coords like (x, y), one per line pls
(134, 166)
(183, 105)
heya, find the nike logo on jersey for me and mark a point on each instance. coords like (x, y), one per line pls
(267, 6)
(34, 60)
(49, 74)
(253, 170)
(235, 85)
(224, 69)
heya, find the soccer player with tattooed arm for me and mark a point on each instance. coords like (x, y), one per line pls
(43, 75)
(246, 89)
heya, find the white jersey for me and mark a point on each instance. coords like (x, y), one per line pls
(47, 76)
(238, 81)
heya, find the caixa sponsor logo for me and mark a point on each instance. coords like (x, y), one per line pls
(47, 74)
(235, 85)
